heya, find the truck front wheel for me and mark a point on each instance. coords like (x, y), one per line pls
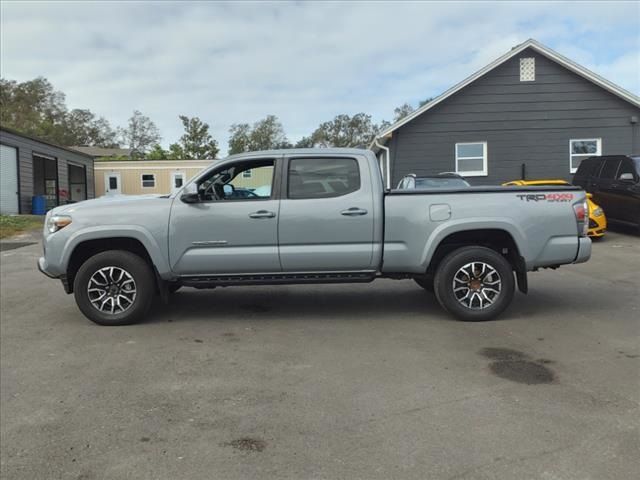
(115, 287)
(474, 283)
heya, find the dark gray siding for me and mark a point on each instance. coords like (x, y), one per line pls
(522, 122)
(27, 147)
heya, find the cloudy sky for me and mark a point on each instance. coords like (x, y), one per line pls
(302, 61)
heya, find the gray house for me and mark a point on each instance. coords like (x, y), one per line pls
(30, 166)
(530, 114)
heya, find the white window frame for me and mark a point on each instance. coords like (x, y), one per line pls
(478, 173)
(571, 154)
(142, 180)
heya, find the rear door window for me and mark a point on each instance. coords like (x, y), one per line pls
(322, 177)
(626, 167)
(610, 168)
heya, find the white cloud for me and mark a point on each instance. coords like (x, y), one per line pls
(304, 62)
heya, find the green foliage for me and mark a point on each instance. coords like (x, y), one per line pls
(157, 153)
(35, 108)
(114, 158)
(265, 134)
(402, 111)
(140, 135)
(196, 143)
(345, 131)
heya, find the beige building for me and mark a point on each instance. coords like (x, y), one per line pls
(137, 177)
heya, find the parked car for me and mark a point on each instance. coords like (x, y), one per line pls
(115, 254)
(614, 182)
(597, 217)
(441, 180)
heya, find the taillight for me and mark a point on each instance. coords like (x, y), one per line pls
(581, 211)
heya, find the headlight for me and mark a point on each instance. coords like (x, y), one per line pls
(56, 222)
(598, 212)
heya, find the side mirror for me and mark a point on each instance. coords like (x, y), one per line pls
(626, 177)
(190, 197)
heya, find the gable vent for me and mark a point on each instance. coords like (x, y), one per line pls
(527, 69)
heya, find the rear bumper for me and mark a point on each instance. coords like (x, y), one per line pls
(584, 250)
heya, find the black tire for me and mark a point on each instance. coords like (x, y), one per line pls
(137, 268)
(174, 287)
(425, 282)
(451, 265)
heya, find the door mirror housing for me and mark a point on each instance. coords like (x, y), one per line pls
(627, 177)
(190, 197)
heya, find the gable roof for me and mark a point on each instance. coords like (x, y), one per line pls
(101, 151)
(40, 140)
(534, 45)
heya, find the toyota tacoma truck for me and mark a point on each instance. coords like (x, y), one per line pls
(315, 216)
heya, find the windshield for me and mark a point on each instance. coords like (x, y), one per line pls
(440, 182)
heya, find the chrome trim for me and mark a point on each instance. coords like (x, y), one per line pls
(208, 243)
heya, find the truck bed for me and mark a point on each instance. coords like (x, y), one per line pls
(540, 220)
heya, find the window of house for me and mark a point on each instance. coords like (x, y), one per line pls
(322, 178)
(148, 180)
(528, 69)
(471, 159)
(580, 149)
(247, 174)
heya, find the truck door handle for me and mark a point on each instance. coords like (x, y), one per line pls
(262, 214)
(353, 212)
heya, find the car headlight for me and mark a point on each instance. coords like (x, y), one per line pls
(57, 222)
(598, 212)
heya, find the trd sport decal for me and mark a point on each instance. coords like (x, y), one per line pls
(546, 197)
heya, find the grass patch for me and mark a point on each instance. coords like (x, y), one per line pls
(11, 225)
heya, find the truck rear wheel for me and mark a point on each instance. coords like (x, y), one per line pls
(115, 287)
(474, 283)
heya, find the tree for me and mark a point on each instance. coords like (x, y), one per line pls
(345, 131)
(34, 107)
(141, 133)
(196, 143)
(81, 127)
(425, 101)
(402, 111)
(157, 153)
(265, 134)
(305, 142)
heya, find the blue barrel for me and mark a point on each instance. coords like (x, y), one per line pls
(38, 205)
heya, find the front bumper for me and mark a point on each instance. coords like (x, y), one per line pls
(42, 266)
(584, 250)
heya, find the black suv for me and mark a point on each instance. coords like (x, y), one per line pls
(614, 181)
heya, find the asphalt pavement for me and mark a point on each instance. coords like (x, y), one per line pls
(326, 382)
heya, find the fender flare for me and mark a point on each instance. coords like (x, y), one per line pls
(468, 225)
(102, 232)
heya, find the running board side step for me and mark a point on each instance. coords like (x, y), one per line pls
(211, 281)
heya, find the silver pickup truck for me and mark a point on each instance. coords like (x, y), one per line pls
(315, 216)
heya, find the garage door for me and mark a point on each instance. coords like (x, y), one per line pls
(8, 179)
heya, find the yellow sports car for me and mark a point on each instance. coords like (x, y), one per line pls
(597, 219)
